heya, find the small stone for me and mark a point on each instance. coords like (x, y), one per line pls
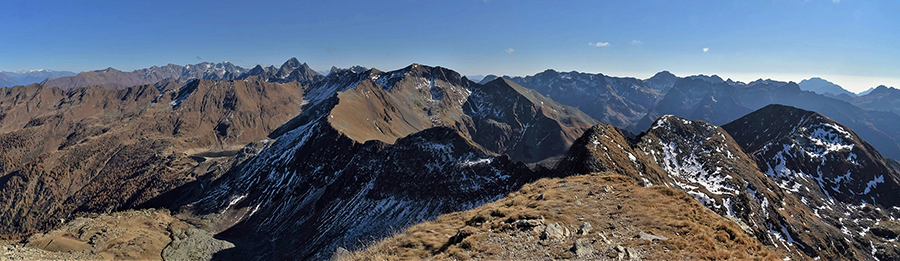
(607, 189)
(632, 254)
(605, 241)
(583, 247)
(554, 231)
(585, 228)
(339, 254)
(525, 223)
(621, 251)
(651, 237)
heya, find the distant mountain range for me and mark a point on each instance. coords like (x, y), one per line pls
(25, 77)
(720, 103)
(822, 86)
(7, 81)
(115, 79)
(881, 98)
(617, 101)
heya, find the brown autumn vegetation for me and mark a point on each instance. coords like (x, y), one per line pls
(615, 206)
(99, 150)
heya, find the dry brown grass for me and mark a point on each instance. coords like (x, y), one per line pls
(614, 205)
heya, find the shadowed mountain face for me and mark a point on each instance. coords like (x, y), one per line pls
(616, 101)
(720, 103)
(790, 143)
(115, 79)
(99, 150)
(501, 116)
(376, 150)
(698, 98)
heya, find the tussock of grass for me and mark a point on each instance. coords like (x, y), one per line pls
(614, 205)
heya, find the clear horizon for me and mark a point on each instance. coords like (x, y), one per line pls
(846, 42)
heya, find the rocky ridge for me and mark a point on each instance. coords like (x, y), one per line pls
(116, 79)
(600, 216)
(342, 173)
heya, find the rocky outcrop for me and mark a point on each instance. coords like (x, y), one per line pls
(193, 244)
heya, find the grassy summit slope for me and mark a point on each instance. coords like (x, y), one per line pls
(546, 219)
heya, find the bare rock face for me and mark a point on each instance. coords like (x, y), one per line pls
(137, 235)
(194, 244)
(583, 247)
(585, 228)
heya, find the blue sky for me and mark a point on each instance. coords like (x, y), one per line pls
(852, 43)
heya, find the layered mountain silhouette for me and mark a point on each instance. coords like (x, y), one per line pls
(612, 100)
(824, 87)
(26, 77)
(115, 79)
(6, 80)
(291, 71)
(880, 99)
(285, 163)
(720, 103)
